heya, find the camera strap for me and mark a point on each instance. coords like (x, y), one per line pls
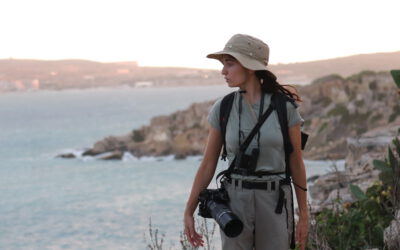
(260, 112)
(246, 143)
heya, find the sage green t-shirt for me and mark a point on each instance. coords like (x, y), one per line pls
(272, 154)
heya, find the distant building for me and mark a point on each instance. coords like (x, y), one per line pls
(7, 86)
(19, 85)
(35, 84)
(144, 84)
(123, 71)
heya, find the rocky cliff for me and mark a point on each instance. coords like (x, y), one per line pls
(359, 169)
(334, 109)
(181, 134)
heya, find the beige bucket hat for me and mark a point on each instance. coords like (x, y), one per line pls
(251, 52)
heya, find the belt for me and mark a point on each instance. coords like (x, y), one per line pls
(264, 185)
(255, 185)
(245, 172)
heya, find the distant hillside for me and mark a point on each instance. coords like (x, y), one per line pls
(36, 74)
(305, 72)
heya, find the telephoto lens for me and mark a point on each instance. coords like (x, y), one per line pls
(226, 219)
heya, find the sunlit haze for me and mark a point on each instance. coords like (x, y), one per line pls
(181, 32)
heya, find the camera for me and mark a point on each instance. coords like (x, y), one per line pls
(214, 204)
(247, 163)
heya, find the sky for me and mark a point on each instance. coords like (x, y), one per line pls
(180, 33)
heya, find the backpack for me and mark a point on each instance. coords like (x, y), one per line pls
(278, 102)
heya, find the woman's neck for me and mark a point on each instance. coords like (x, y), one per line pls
(252, 91)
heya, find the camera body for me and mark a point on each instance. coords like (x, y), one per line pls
(214, 204)
(211, 195)
(247, 163)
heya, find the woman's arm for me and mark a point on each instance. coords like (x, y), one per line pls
(299, 178)
(202, 179)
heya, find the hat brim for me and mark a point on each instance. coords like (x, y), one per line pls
(245, 61)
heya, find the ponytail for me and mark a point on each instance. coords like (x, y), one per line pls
(269, 84)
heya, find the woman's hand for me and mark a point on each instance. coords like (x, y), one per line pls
(302, 231)
(193, 237)
(203, 178)
(299, 177)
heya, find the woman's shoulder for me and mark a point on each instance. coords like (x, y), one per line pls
(225, 100)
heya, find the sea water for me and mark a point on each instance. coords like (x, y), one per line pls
(52, 203)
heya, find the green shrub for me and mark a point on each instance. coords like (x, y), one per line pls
(392, 117)
(307, 123)
(361, 130)
(395, 113)
(328, 78)
(138, 136)
(359, 103)
(324, 101)
(360, 117)
(154, 240)
(381, 96)
(339, 110)
(360, 225)
(376, 117)
(373, 85)
(323, 126)
(358, 77)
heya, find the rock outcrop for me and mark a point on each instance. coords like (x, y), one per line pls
(391, 234)
(334, 109)
(358, 171)
(182, 133)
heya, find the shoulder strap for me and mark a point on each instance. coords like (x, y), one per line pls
(246, 143)
(279, 102)
(225, 110)
(255, 129)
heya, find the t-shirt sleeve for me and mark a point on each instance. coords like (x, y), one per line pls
(293, 114)
(213, 115)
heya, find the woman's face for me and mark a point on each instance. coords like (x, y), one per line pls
(234, 73)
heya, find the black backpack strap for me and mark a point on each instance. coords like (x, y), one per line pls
(279, 101)
(247, 141)
(224, 111)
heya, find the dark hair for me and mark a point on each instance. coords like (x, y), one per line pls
(269, 84)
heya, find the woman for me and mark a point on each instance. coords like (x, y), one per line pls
(245, 61)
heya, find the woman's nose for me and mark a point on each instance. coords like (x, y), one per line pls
(223, 71)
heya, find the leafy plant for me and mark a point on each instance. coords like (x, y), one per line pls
(357, 225)
(358, 77)
(396, 77)
(339, 109)
(138, 135)
(360, 224)
(156, 241)
(328, 78)
(390, 173)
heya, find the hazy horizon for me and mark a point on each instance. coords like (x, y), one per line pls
(180, 33)
(185, 66)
